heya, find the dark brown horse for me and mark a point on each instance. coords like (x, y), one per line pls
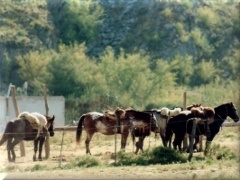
(20, 129)
(221, 113)
(181, 124)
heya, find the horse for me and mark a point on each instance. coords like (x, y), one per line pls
(120, 122)
(162, 115)
(36, 120)
(221, 113)
(98, 122)
(149, 123)
(180, 123)
(19, 129)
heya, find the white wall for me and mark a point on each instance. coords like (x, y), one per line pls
(56, 106)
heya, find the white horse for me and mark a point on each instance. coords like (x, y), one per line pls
(163, 115)
(36, 120)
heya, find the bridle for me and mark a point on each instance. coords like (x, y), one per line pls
(226, 110)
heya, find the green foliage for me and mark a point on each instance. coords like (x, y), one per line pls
(33, 68)
(83, 161)
(166, 50)
(208, 17)
(78, 21)
(205, 73)
(125, 75)
(70, 65)
(158, 155)
(182, 66)
(201, 42)
(163, 155)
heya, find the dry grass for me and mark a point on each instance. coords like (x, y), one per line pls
(102, 148)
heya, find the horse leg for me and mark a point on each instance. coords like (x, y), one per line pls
(178, 142)
(9, 142)
(164, 142)
(11, 146)
(35, 149)
(87, 142)
(137, 146)
(196, 143)
(41, 142)
(141, 139)
(207, 147)
(124, 137)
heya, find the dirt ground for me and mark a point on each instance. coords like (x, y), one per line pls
(102, 147)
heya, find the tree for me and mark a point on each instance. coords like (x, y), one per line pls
(205, 73)
(182, 66)
(33, 68)
(73, 73)
(78, 21)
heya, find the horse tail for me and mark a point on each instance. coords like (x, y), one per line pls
(133, 136)
(79, 129)
(7, 132)
(169, 132)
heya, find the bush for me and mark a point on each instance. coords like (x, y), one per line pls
(83, 161)
(158, 155)
(164, 155)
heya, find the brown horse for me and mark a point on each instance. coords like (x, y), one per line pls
(97, 122)
(20, 129)
(121, 121)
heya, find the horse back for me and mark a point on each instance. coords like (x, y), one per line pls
(138, 115)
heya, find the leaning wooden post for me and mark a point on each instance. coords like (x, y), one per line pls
(185, 140)
(115, 137)
(192, 139)
(47, 144)
(13, 92)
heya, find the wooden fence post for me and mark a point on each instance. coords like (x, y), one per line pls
(192, 139)
(185, 140)
(13, 93)
(115, 137)
(47, 143)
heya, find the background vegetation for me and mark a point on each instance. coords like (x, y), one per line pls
(104, 54)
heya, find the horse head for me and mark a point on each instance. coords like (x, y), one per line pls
(50, 122)
(154, 121)
(232, 112)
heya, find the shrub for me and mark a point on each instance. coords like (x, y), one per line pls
(83, 161)
(158, 155)
(165, 155)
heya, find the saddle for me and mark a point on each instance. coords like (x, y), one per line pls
(112, 116)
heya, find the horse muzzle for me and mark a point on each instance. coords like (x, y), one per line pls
(51, 133)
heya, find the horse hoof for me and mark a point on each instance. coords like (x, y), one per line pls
(40, 159)
(34, 159)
